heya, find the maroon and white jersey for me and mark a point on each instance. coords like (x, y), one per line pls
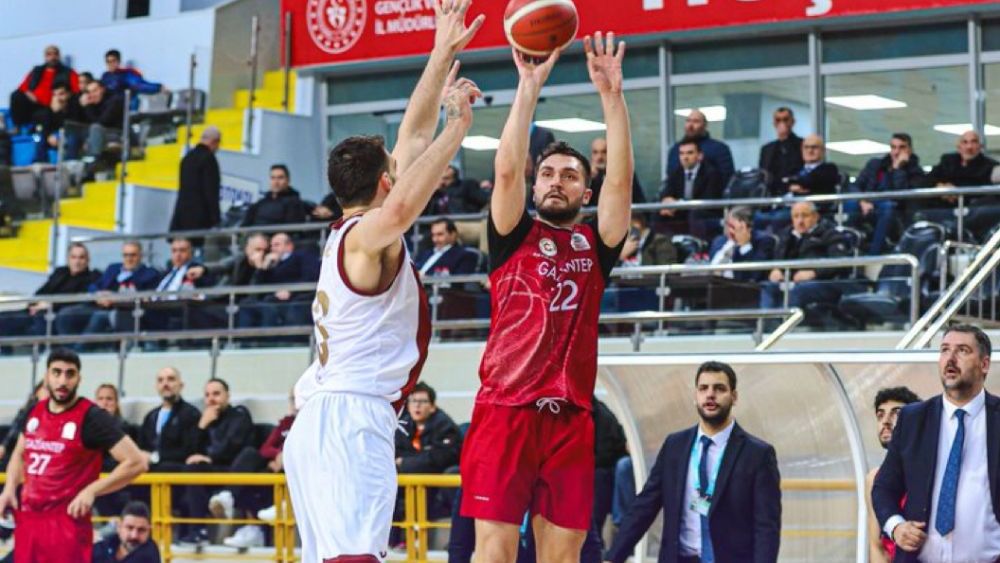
(546, 285)
(63, 452)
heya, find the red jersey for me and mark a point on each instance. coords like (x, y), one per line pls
(63, 452)
(546, 285)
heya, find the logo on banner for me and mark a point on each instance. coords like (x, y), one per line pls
(336, 25)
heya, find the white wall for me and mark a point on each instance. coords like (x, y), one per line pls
(20, 18)
(159, 47)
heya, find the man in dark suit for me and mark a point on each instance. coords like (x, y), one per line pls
(712, 510)
(740, 243)
(695, 178)
(717, 153)
(781, 157)
(816, 177)
(944, 458)
(282, 265)
(448, 257)
(197, 205)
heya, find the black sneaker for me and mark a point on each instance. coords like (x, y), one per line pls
(196, 537)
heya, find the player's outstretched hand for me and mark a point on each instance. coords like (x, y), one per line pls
(532, 70)
(604, 62)
(451, 32)
(81, 505)
(8, 502)
(458, 101)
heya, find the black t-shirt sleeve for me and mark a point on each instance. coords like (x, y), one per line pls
(606, 255)
(502, 247)
(100, 430)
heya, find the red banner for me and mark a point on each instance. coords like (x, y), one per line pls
(337, 31)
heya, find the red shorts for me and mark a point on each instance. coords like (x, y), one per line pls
(52, 537)
(517, 459)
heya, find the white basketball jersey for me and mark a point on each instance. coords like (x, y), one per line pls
(367, 343)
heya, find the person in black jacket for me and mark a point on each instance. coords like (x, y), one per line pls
(283, 265)
(694, 179)
(75, 277)
(599, 163)
(282, 204)
(35, 91)
(968, 167)
(197, 205)
(132, 542)
(816, 177)
(103, 112)
(449, 256)
(456, 195)
(782, 158)
(62, 111)
(740, 243)
(169, 433)
(807, 237)
(609, 447)
(223, 431)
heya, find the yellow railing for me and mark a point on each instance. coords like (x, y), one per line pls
(415, 522)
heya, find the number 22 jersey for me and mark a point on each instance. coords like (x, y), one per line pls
(546, 285)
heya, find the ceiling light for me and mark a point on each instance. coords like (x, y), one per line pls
(960, 128)
(865, 102)
(712, 113)
(480, 143)
(858, 147)
(572, 125)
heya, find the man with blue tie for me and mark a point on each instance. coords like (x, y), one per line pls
(713, 513)
(943, 457)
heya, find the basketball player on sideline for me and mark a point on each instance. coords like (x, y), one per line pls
(57, 465)
(531, 442)
(372, 322)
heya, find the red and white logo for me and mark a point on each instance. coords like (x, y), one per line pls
(547, 247)
(579, 242)
(336, 25)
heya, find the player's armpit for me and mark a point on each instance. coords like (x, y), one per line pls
(365, 271)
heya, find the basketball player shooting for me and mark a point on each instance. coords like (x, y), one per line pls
(530, 446)
(372, 322)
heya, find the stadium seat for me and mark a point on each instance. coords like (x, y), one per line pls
(889, 298)
(23, 149)
(747, 183)
(688, 247)
(182, 99)
(25, 184)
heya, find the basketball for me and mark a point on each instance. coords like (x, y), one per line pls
(538, 27)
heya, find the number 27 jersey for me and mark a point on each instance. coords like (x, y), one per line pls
(546, 285)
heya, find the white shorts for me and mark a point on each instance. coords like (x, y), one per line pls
(340, 464)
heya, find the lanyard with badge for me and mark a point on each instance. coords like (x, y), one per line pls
(702, 503)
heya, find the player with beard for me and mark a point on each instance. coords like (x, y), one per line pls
(888, 402)
(57, 464)
(531, 442)
(718, 487)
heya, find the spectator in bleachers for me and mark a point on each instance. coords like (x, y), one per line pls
(808, 237)
(62, 110)
(197, 205)
(250, 501)
(103, 112)
(282, 265)
(782, 157)
(75, 277)
(969, 167)
(169, 433)
(816, 177)
(223, 431)
(106, 397)
(280, 206)
(39, 393)
(898, 170)
(646, 247)
(449, 256)
(35, 91)
(132, 542)
(696, 178)
(740, 243)
(183, 273)
(456, 195)
(129, 275)
(86, 77)
(117, 79)
(716, 153)
(238, 270)
(599, 163)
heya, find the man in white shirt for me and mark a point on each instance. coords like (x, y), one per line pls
(943, 458)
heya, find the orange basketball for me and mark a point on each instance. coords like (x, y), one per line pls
(538, 27)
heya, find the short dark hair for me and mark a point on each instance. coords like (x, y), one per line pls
(900, 394)
(561, 147)
(718, 367)
(905, 137)
(354, 168)
(220, 381)
(88, 75)
(60, 86)
(136, 508)
(63, 355)
(113, 53)
(283, 168)
(785, 109)
(689, 141)
(982, 340)
(422, 387)
(449, 225)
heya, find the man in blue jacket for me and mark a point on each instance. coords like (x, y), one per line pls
(132, 543)
(119, 78)
(716, 153)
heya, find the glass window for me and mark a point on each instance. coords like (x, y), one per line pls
(344, 126)
(932, 105)
(993, 109)
(740, 113)
(991, 35)
(898, 42)
(740, 54)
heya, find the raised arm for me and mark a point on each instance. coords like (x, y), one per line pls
(604, 63)
(507, 201)
(416, 131)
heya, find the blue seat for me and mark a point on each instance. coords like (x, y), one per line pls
(23, 149)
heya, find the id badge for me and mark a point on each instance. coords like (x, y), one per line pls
(701, 505)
